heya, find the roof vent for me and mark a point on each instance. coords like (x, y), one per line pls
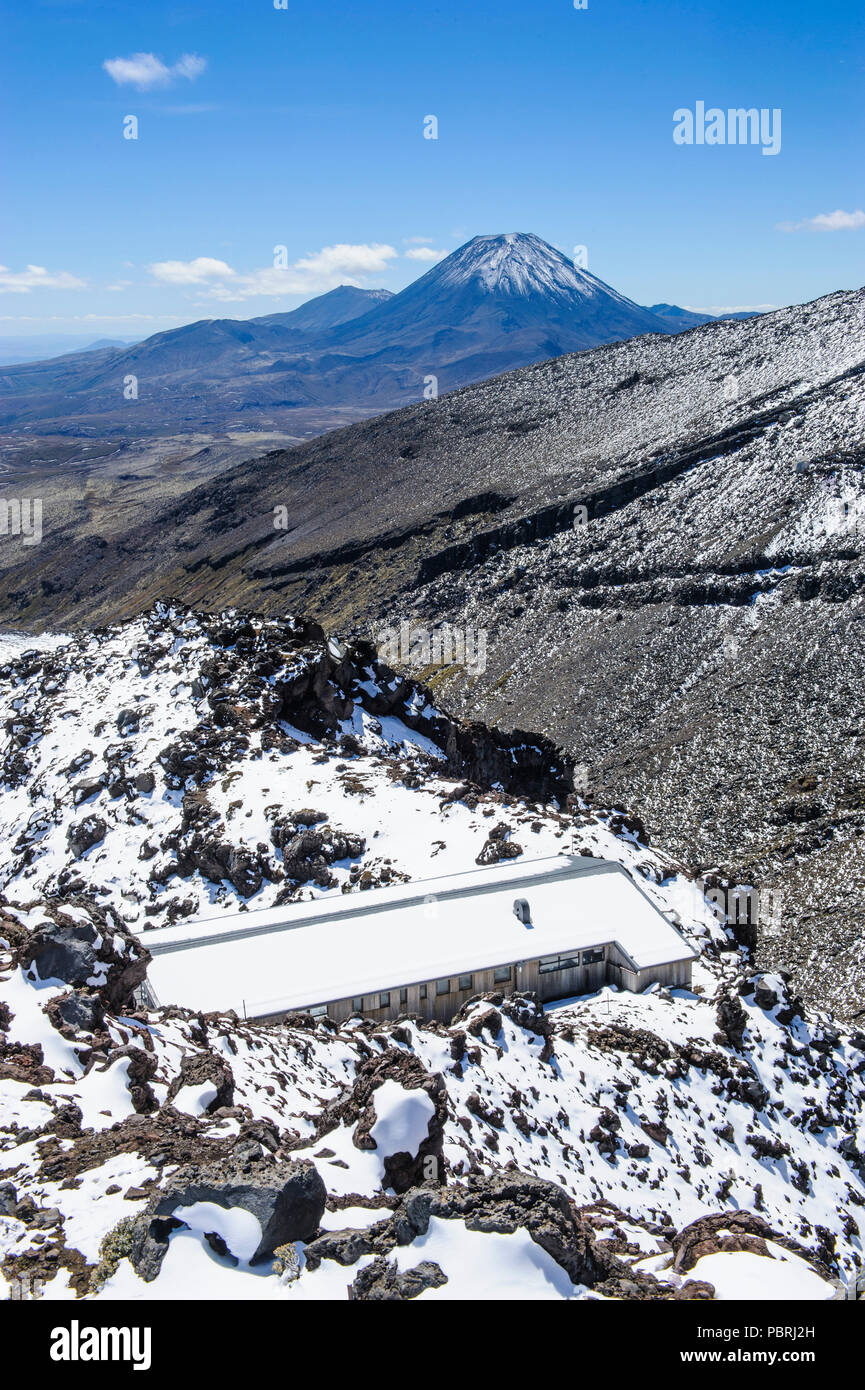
(521, 910)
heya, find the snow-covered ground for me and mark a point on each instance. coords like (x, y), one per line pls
(650, 1112)
(69, 760)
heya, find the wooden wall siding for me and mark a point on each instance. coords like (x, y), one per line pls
(561, 984)
(439, 1006)
(527, 976)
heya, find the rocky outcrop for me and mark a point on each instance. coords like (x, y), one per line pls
(499, 846)
(504, 1203)
(308, 852)
(382, 1281)
(734, 1231)
(357, 1107)
(95, 952)
(287, 1200)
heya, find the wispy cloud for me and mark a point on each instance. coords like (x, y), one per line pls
(145, 70)
(424, 253)
(838, 221)
(89, 318)
(322, 270)
(36, 277)
(197, 272)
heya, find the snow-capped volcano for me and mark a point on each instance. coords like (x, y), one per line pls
(494, 302)
(518, 263)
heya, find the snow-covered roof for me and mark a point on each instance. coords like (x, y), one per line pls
(355, 944)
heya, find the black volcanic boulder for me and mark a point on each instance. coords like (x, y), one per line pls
(85, 834)
(732, 1021)
(67, 952)
(77, 1012)
(100, 953)
(128, 722)
(287, 1199)
(243, 871)
(87, 788)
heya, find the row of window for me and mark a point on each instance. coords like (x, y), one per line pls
(464, 983)
(501, 975)
(548, 964)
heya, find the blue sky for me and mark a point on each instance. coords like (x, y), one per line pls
(303, 128)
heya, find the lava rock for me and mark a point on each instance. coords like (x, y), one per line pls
(200, 1069)
(287, 1199)
(382, 1281)
(85, 834)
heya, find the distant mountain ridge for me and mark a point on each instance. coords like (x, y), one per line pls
(39, 347)
(496, 304)
(682, 319)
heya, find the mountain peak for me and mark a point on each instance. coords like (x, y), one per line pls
(517, 263)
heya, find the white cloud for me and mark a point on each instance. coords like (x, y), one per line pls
(145, 70)
(313, 274)
(36, 277)
(838, 221)
(191, 66)
(424, 253)
(196, 272)
(344, 259)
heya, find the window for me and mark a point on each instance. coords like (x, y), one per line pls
(423, 991)
(502, 974)
(357, 1005)
(547, 964)
(592, 957)
(443, 986)
(403, 996)
(384, 1001)
(465, 981)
